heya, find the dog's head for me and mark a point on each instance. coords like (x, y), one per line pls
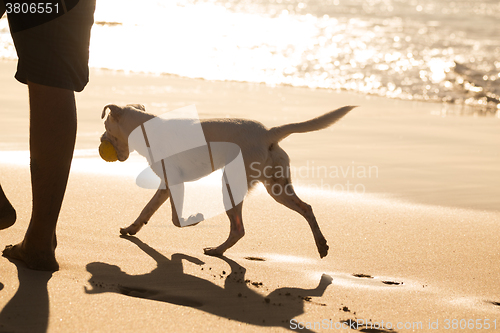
(118, 126)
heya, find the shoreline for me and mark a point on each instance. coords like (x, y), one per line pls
(447, 108)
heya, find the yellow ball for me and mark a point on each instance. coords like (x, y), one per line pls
(107, 152)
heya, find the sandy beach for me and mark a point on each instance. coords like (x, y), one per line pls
(406, 194)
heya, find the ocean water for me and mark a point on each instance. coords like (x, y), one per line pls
(426, 50)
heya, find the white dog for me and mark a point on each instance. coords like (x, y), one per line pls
(261, 154)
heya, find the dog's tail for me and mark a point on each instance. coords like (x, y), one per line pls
(280, 132)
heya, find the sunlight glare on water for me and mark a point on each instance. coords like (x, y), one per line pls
(429, 50)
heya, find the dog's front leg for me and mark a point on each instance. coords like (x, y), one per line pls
(158, 199)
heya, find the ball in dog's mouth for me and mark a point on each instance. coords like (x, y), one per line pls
(107, 152)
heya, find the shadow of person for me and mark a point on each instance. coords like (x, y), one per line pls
(28, 309)
(235, 301)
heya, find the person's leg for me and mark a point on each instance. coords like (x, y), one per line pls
(52, 141)
(7, 212)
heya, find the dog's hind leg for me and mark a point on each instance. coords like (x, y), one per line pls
(282, 191)
(158, 199)
(235, 234)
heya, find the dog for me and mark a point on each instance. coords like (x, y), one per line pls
(260, 151)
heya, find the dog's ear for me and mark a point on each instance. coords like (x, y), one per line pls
(116, 111)
(138, 106)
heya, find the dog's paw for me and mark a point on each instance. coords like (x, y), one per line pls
(128, 231)
(322, 248)
(124, 231)
(192, 220)
(131, 229)
(212, 251)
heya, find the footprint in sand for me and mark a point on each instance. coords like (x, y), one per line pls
(255, 259)
(387, 282)
(392, 283)
(366, 276)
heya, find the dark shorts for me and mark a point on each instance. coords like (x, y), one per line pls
(55, 53)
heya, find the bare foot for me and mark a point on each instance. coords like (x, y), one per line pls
(7, 212)
(38, 260)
